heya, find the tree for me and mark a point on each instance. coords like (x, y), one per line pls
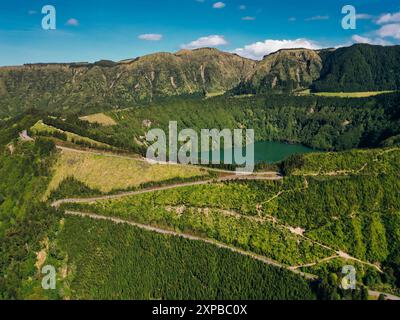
(295, 161)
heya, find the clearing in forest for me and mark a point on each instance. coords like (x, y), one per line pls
(107, 173)
(344, 94)
(40, 128)
(99, 118)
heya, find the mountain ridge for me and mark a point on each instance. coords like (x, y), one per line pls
(83, 86)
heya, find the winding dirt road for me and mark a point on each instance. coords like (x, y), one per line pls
(189, 237)
(218, 244)
(271, 176)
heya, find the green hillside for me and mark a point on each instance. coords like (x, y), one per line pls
(283, 71)
(101, 86)
(360, 67)
(319, 122)
(105, 85)
(349, 211)
(152, 266)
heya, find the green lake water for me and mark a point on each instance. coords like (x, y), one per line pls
(270, 151)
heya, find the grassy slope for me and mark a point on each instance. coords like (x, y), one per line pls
(345, 94)
(107, 173)
(40, 128)
(352, 94)
(99, 118)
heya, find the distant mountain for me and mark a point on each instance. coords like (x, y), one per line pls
(361, 67)
(87, 87)
(285, 70)
(106, 84)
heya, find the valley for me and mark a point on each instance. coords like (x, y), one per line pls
(77, 193)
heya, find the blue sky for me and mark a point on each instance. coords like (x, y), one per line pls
(89, 30)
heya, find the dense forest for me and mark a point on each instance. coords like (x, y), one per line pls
(361, 67)
(153, 266)
(10, 128)
(24, 220)
(319, 122)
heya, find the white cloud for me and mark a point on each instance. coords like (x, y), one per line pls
(364, 16)
(389, 18)
(72, 22)
(259, 49)
(291, 19)
(390, 30)
(360, 39)
(150, 37)
(242, 7)
(248, 18)
(317, 18)
(378, 41)
(209, 41)
(219, 5)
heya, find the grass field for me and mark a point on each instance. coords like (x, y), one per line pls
(99, 118)
(41, 127)
(117, 173)
(344, 94)
(214, 94)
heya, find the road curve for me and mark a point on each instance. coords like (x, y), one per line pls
(57, 203)
(388, 296)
